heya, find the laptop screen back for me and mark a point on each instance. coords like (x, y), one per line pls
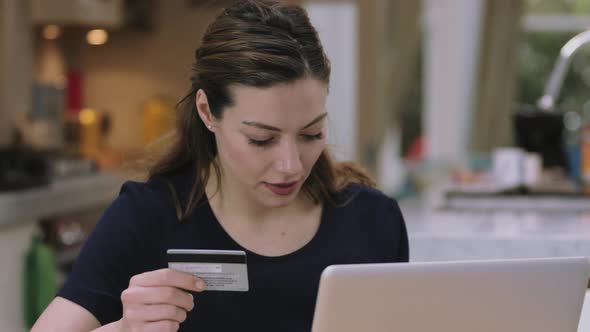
(532, 295)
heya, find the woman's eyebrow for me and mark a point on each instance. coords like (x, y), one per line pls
(271, 128)
(316, 120)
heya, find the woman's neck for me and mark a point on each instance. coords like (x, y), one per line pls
(228, 200)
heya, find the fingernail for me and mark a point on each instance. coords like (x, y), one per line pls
(200, 285)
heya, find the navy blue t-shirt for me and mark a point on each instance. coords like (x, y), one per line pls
(134, 233)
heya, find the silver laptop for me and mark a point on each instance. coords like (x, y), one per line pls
(524, 295)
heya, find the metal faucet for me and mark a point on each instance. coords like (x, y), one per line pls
(547, 101)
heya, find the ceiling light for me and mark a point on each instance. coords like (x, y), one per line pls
(97, 37)
(51, 32)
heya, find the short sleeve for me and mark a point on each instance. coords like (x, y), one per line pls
(382, 219)
(114, 252)
(401, 250)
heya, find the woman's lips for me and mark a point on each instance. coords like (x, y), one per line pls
(282, 189)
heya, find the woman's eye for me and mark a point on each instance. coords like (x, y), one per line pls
(260, 143)
(313, 137)
(268, 142)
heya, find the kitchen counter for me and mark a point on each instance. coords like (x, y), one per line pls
(458, 234)
(19, 213)
(63, 196)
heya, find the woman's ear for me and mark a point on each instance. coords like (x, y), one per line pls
(203, 109)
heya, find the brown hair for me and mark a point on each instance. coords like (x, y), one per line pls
(254, 43)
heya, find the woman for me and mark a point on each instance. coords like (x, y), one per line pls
(250, 171)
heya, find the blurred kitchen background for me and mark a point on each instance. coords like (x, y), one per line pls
(474, 114)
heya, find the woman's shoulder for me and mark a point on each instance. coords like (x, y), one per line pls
(160, 186)
(369, 211)
(357, 195)
(142, 189)
(151, 196)
(144, 193)
(362, 204)
(136, 202)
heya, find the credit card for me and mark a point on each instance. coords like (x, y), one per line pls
(222, 270)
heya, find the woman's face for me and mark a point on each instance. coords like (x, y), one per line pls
(269, 140)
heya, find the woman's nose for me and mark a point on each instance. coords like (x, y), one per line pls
(289, 160)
